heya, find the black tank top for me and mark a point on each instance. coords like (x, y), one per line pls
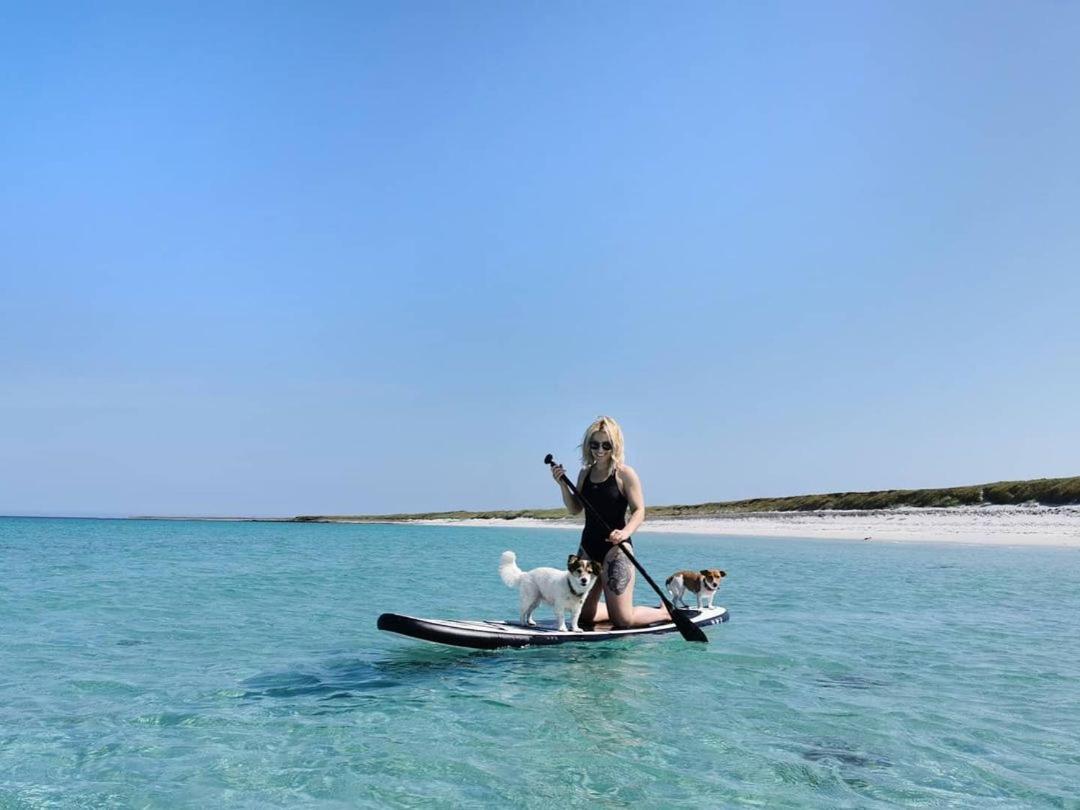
(609, 501)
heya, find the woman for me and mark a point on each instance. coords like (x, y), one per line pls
(610, 486)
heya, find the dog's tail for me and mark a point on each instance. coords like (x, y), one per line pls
(509, 570)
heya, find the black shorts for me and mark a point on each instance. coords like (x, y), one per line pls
(597, 548)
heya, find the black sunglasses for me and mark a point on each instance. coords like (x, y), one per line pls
(598, 445)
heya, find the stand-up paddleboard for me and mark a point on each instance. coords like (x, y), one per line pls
(491, 635)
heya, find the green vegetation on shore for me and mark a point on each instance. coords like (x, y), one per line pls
(1043, 491)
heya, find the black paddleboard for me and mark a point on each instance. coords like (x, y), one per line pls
(491, 635)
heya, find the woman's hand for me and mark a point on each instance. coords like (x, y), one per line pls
(618, 536)
(557, 472)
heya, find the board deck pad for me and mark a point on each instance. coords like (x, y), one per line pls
(492, 635)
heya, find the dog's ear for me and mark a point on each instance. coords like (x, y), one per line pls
(594, 566)
(573, 558)
(723, 574)
(704, 572)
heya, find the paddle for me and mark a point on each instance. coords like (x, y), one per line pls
(689, 630)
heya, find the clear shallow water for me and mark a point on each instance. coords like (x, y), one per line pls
(234, 664)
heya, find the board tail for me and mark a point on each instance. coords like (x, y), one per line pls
(508, 569)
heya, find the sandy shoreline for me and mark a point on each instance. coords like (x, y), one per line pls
(982, 525)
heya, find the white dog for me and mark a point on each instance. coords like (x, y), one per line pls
(563, 590)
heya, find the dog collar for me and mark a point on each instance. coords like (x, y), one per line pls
(575, 593)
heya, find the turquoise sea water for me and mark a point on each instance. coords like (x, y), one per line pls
(187, 664)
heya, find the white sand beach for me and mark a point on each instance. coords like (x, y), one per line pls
(981, 525)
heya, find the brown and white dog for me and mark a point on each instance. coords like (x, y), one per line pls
(703, 584)
(563, 590)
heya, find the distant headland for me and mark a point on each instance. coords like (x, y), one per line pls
(1040, 491)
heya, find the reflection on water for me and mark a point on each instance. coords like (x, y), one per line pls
(578, 673)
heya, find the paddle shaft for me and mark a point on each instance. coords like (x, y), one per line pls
(621, 544)
(689, 630)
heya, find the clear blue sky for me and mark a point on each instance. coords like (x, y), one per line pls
(282, 258)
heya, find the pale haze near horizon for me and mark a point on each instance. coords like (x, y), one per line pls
(357, 258)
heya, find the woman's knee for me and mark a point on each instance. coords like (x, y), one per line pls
(620, 609)
(621, 619)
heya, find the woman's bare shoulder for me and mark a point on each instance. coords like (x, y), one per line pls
(626, 473)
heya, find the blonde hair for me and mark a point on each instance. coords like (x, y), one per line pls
(614, 432)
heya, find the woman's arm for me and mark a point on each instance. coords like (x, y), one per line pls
(573, 506)
(636, 498)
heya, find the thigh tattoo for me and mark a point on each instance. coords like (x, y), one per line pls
(618, 573)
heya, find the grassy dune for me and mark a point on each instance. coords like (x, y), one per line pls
(1044, 491)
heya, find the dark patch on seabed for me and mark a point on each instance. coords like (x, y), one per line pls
(840, 681)
(326, 685)
(841, 752)
(346, 677)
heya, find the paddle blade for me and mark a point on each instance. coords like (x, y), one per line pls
(689, 630)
